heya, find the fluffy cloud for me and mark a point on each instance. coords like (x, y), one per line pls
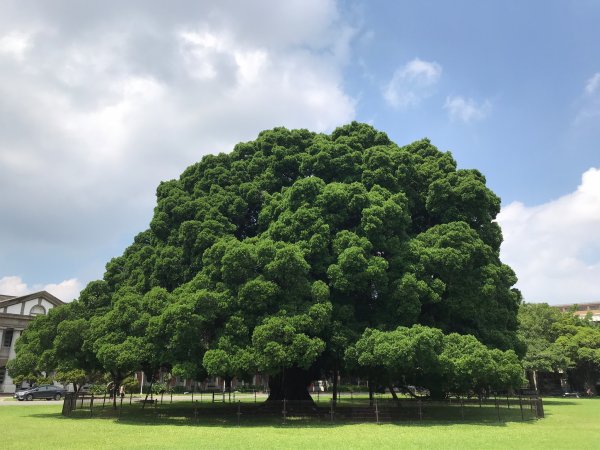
(100, 102)
(466, 109)
(554, 247)
(66, 290)
(14, 44)
(412, 83)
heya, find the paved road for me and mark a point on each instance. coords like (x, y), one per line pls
(8, 401)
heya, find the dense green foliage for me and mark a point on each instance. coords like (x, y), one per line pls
(280, 254)
(538, 329)
(426, 357)
(560, 341)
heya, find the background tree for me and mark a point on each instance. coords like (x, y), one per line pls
(582, 346)
(35, 349)
(76, 377)
(425, 357)
(539, 327)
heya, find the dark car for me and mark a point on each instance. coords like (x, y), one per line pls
(47, 391)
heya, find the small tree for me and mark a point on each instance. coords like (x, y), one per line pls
(539, 327)
(582, 345)
(77, 377)
(443, 364)
(30, 379)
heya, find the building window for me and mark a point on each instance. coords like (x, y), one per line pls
(37, 310)
(8, 335)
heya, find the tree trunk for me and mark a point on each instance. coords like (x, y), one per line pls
(535, 384)
(228, 386)
(371, 392)
(117, 380)
(290, 384)
(149, 392)
(437, 393)
(393, 392)
(335, 385)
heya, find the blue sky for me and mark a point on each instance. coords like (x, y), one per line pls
(99, 102)
(529, 60)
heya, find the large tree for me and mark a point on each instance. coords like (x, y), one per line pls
(280, 254)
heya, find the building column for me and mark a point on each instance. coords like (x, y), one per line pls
(1, 347)
(8, 385)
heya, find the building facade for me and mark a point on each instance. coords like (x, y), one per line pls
(582, 310)
(15, 314)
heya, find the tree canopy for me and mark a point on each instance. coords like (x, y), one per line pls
(278, 256)
(560, 341)
(426, 357)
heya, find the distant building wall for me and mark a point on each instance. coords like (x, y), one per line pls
(16, 312)
(583, 309)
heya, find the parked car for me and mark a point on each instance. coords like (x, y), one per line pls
(86, 389)
(571, 394)
(47, 391)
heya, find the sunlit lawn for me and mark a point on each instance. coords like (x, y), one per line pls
(569, 423)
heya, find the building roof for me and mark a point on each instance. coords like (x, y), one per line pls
(7, 300)
(579, 307)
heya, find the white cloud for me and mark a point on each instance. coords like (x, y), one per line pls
(66, 290)
(15, 43)
(466, 109)
(555, 248)
(102, 102)
(593, 84)
(412, 83)
(13, 285)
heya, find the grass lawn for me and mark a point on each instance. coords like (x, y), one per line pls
(569, 424)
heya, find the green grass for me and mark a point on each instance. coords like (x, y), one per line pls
(569, 423)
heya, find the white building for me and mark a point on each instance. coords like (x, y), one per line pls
(15, 315)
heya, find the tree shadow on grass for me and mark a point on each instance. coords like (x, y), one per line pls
(216, 420)
(558, 402)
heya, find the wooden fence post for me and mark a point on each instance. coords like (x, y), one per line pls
(331, 412)
(284, 409)
(120, 407)
(497, 407)
(521, 407)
